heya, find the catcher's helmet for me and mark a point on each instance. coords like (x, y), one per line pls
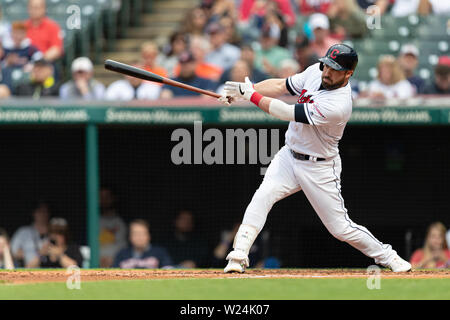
(340, 57)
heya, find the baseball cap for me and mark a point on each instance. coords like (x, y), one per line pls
(409, 48)
(82, 64)
(185, 57)
(319, 20)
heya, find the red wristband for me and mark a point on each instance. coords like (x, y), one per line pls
(256, 98)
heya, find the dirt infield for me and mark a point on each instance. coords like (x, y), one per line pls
(21, 276)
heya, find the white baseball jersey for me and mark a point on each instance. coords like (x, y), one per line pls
(320, 119)
(321, 115)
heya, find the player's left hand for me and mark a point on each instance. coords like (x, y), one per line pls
(226, 100)
(243, 90)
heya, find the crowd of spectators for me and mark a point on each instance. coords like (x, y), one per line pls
(48, 242)
(218, 41)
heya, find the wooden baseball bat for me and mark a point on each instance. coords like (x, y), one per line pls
(146, 75)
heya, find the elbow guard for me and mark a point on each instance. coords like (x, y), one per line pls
(282, 110)
(289, 112)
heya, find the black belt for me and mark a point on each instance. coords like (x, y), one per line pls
(303, 157)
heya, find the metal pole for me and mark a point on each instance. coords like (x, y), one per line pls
(92, 189)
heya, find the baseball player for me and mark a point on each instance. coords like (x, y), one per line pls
(310, 159)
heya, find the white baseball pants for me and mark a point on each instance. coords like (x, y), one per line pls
(320, 181)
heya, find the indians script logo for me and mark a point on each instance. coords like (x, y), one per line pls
(303, 98)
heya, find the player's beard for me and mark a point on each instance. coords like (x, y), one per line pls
(333, 86)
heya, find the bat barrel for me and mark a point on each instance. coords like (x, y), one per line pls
(149, 76)
(132, 71)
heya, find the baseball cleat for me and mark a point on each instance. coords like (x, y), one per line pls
(237, 262)
(397, 264)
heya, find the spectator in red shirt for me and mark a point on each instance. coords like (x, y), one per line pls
(44, 33)
(434, 253)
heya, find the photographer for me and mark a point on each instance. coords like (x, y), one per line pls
(57, 252)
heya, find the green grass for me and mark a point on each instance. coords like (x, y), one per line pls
(236, 289)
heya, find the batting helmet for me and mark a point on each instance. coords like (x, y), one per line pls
(340, 57)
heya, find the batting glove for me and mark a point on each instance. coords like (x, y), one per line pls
(243, 90)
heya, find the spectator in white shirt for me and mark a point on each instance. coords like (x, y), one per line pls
(83, 86)
(223, 54)
(391, 81)
(131, 88)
